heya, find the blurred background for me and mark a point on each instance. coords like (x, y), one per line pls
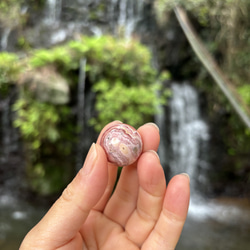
(69, 67)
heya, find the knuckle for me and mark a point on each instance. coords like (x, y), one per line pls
(172, 217)
(67, 194)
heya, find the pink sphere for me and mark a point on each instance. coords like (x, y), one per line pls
(122, 144)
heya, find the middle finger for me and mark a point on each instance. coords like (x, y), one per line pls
(124, 200)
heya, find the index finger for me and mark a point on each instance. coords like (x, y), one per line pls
(124, 200)
(150, 138)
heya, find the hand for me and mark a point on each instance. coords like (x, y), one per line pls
(142, 213)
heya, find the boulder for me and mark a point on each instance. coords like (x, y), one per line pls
(46, 85)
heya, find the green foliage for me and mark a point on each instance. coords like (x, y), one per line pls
(244, 91)
(123, 79)
(113, 59)
(6, 5)
(50, 177)
(48, 139)
(37, 123)
(23, 44)
(133, 104)
(126, 85)
(170, 4)
(58, 56)
(9, 69)
(238, 144)
(224, 27)
(119, 71)
(10, 13)
(199, 8)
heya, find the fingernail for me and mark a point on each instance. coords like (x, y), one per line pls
(90, 159)
(118, 121)
(185, 174)
(155, 153)
(154, 125)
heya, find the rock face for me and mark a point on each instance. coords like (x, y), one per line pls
(46, 85)
(49, 23)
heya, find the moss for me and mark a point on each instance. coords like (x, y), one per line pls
(244, 91)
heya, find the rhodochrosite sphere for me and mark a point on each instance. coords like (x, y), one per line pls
(122, 144)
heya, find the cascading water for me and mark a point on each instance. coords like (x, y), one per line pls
(188, 132)
(52, 11)
(52, 22)
(183, 146)
(129, 14)
(185, 149)
(4, 39)
(121, 19)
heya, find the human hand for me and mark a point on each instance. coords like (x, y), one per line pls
(142, 213)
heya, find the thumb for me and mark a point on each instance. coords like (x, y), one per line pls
(67, 215)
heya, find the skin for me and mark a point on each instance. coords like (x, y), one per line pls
(142, 213)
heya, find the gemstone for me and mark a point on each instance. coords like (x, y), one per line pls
(122, 144)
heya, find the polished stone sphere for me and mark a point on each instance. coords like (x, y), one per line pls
(122, 144)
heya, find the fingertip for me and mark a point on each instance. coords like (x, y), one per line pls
(186, 175)
(153, 125)
(154, 153)
(178, 195)
(173, 215)
(149, 157)
(151, 174)
(150, 136)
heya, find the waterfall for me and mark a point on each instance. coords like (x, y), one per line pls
(124, 16)
(53, 11)
(187, 131)
(184, 144)
(4, 39)
(129, 15)
(188, 138)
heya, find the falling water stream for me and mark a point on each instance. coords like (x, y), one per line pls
(187, 131)
(129, 15)
(4, 39)
(52, 12)
(211, 224)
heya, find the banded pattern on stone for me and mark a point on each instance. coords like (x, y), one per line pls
(122, 144)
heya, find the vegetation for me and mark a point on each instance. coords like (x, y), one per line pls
(10, 13)
(119, 72)
(223, 26)
(9, 70)
(125, 84)
(46, 137)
